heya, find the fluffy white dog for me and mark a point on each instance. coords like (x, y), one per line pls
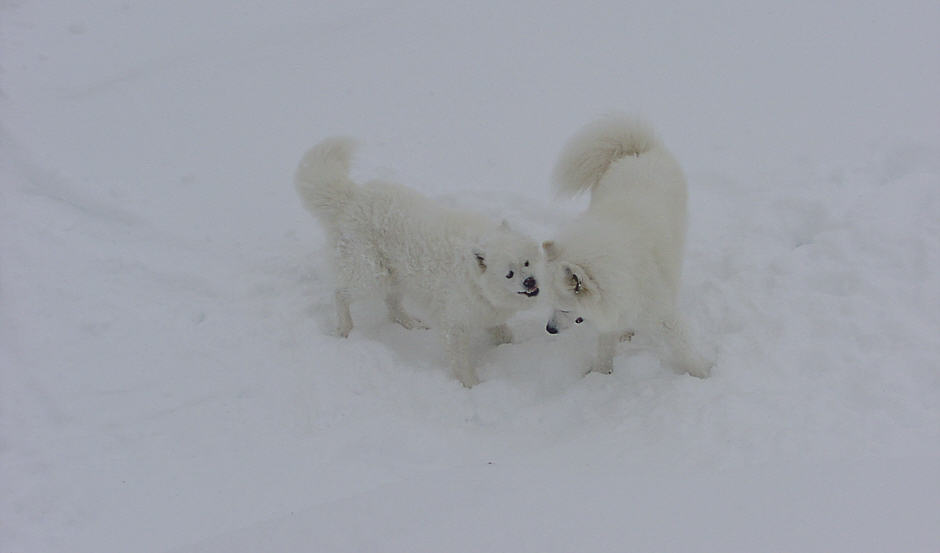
(617, 266)
(466, 271)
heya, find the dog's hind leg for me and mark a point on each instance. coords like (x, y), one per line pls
(398, 313)
(344, 322)
(679, 352)
(606, 349)
(500, 334)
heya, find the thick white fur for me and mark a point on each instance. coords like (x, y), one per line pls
(390, 241)
(618, 265)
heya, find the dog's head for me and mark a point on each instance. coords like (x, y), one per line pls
(505, 265)
(575, 294)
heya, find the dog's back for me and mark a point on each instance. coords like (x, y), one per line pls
(638, 190)
(379, 227)
(625, 166)
(588, 155)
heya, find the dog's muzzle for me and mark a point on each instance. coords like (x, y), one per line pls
(531, 287)
(551, 329)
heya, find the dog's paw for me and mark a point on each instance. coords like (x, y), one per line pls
(627, 336)
(343, 332)
(698, 368)
(601, 368)
(703, 370)
(468, 378)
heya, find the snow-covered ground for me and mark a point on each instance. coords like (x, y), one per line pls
(169, 381)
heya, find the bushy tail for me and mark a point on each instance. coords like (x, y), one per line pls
(588, 154)
(322, 178)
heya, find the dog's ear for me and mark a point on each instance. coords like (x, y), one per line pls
(579, 282)
(479, 258)
(505, 226)
(551, 252)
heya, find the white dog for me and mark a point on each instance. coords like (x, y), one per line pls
(468, 272)
(617, 266)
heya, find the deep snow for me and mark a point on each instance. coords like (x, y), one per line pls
(168, 378)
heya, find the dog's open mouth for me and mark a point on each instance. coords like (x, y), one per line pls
(530, 293)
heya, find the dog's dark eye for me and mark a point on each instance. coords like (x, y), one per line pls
(526, 264)
(510, 274)
(579, 320)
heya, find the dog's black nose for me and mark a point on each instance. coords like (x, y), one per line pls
(529, 283)
(550, 329)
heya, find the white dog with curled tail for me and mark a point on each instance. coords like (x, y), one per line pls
(468, 272)
(617, 266)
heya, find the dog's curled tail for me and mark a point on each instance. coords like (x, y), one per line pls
(322, 178)
(588, 154)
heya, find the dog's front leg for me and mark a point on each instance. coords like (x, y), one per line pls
(457, 349)
(344, 323)
(606, 348)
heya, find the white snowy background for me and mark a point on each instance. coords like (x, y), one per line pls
(169, 381)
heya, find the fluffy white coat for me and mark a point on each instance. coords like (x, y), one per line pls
(466, 271)
(618, 265)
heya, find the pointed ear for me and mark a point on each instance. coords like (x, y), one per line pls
(579, 281)
(551, 252)
(505, 226)
(480, 259)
